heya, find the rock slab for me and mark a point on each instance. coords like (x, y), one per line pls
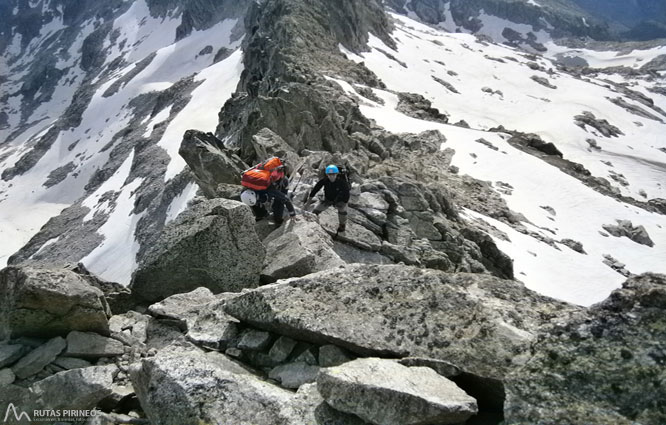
(49, 302)
(384, 392)
(213, 244)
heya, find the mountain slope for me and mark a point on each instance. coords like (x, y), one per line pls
(98, 98)
(489, 85)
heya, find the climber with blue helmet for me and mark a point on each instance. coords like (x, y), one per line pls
(336, 193)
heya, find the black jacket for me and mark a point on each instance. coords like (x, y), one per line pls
(278, 193)
(337, 191)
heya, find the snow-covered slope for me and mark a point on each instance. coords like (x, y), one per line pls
(489, 85)
(104, 139)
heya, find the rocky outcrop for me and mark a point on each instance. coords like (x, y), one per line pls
(532, 140)
(201, 316)
(49, 302)
(384, 392)
(182, 308)
(282, 87)
(41, 356)
(601, 125)
(626, 228)
(91, 345)
(416, 106)
(86, 387)
(297, 249)
(605, 366)
(211, 163)
(480, 323)
(267, 144)
(213, 244)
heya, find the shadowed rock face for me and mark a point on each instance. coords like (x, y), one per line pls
(210, 162)
(606, 366)
(49, 302)
(213, 245)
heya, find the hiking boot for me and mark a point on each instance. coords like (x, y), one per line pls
(341, 228)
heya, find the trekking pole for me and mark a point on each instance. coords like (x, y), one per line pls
(298, 169)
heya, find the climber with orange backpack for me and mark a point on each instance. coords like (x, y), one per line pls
(267, 183)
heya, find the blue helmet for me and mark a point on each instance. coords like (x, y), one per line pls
(332, 169)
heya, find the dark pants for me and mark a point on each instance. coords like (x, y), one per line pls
(277, 207)
(341, 206)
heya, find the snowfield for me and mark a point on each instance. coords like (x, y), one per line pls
(26, 204)
(513, 99)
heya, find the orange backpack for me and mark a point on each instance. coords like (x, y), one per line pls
(262, 175)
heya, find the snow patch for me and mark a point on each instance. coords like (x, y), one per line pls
(179, 203)
(115, 258)
(115, 184)
(160, 117)
(46, 244)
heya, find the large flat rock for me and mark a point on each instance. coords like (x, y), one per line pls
(479, 323)
(384, 392)
(297, 249)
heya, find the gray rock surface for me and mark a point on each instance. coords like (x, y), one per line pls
(91, 345)
(7, 377)
(49, 302)
(298, 248)
(9, 353)
(212, 327)
(588, 119)
(78, 389)
(281, 349)
(41, 356)
(384, 392)
(479, 323)
(211, 163)
(254, 340)
(180, 387)
(306, 111)
(332, 355)
(293, 375)
(309, 407)
(604, 366)
(131, 325)
(626, 228)
(268, 144)
(213, 244)
(70, 362)
(442, 367)
(184, 307)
